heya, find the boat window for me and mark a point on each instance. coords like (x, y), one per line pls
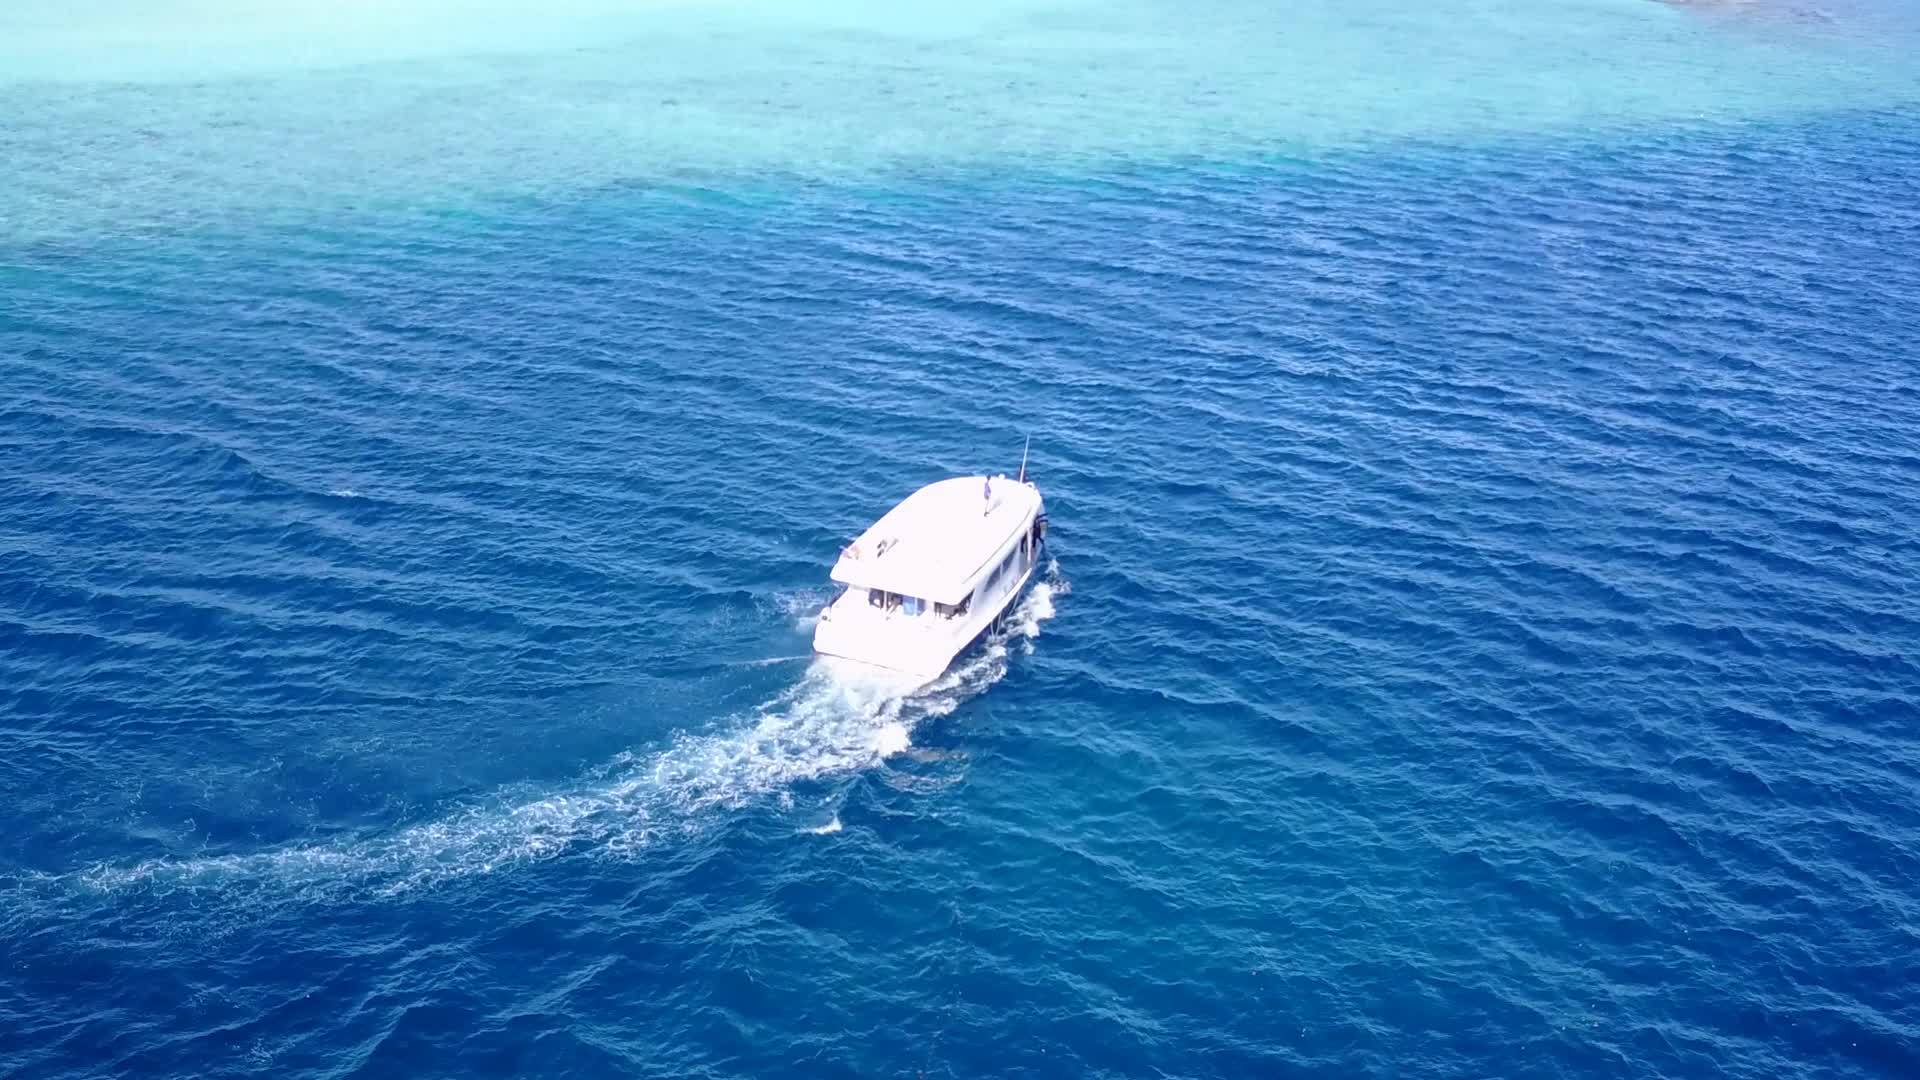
(912, 605)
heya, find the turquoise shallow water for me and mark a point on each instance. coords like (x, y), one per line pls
(1481, 631)
(156, 120)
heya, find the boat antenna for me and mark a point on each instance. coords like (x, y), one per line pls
(1023, 459)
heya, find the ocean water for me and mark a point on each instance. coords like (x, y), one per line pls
(1480, 634)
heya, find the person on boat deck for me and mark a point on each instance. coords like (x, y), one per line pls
(988, 496)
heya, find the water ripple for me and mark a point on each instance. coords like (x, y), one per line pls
(1492, 646)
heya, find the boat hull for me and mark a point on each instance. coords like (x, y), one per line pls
(934, 574)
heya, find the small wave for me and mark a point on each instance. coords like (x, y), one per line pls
(831, 827)
(892, 739)
(1039, 605)
(802, 606)
(834, 720)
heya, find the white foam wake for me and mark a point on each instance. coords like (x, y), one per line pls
(836, 719)
(803, 606)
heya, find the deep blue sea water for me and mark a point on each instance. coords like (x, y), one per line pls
(1481, 635)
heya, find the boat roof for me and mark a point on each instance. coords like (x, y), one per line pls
(938, 541)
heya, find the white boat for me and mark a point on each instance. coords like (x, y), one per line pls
(934, 574)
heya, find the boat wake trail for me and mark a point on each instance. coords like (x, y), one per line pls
(833, 721)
